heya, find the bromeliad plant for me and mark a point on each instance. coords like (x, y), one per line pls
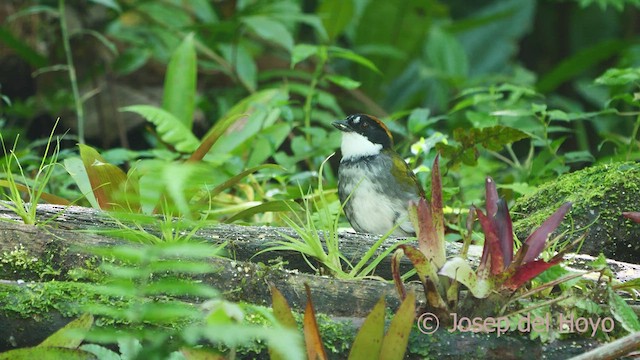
(500, 272)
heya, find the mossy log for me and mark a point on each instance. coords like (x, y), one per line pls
(600, 194)
(54, 247)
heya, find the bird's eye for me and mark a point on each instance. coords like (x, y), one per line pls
(365, 125)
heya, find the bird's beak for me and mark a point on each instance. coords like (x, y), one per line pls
(342, 125)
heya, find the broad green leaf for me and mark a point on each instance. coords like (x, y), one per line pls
(267, 142)
(244, 64)
(623, 312)
(106, 179)
(71, 335)
(343, 81)
(394, 344)
(75, 168)
(213, 135)
(368, 341)
(180, 83)
(335, 16)
(302, 52)
(458, 269)
(445, 54)
(47, 353)
(168, 126)
(270, 30)
(256, 112)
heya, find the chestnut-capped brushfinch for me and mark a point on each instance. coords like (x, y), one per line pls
(374, 182)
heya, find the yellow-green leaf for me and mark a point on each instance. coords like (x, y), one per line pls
(106, 179)
(71, 335)
(394, 344)
(368, 341)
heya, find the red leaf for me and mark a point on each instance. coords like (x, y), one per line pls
(395, 270)
(430, 238)
(315, 349)
(491, 197)
(436, 201)
(504, 228)
(536, 241)
(492, 249)
(527, 272)
(632, 215)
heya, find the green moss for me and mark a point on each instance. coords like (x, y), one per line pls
(599, 195)
(19, 262)
(36, 300)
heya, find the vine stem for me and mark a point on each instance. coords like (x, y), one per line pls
(322, 60)
(632, 139)
(72, 70)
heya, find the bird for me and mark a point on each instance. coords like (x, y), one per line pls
(375, 184)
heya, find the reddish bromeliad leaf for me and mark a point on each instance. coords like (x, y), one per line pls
(632, 215)
(537, 240)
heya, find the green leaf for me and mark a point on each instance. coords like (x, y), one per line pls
(21, 48)
(346, 54)
(575, 65)
(100, 352)
(617, 77)
(213, 135)
(234, 180)
(111, 4)
(368, 341)
(267, 142)
(394, 344)
(71, 335)
(623, 312)
(131, 60)
(458, 269)
(270, 206)
(270, 30)
(75, 168)
(48, 353)
(445, 54)
(343, 81)
(178, 287)
(492, 138)
(255, 113)
(106, 179)
(168, 126)
(335, 16)
(180, 83)
(302, 52)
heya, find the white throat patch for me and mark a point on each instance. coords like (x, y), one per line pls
(355, 145)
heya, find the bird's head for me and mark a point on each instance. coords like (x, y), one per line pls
(363, 135)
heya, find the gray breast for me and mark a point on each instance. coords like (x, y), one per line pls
(376, 202)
